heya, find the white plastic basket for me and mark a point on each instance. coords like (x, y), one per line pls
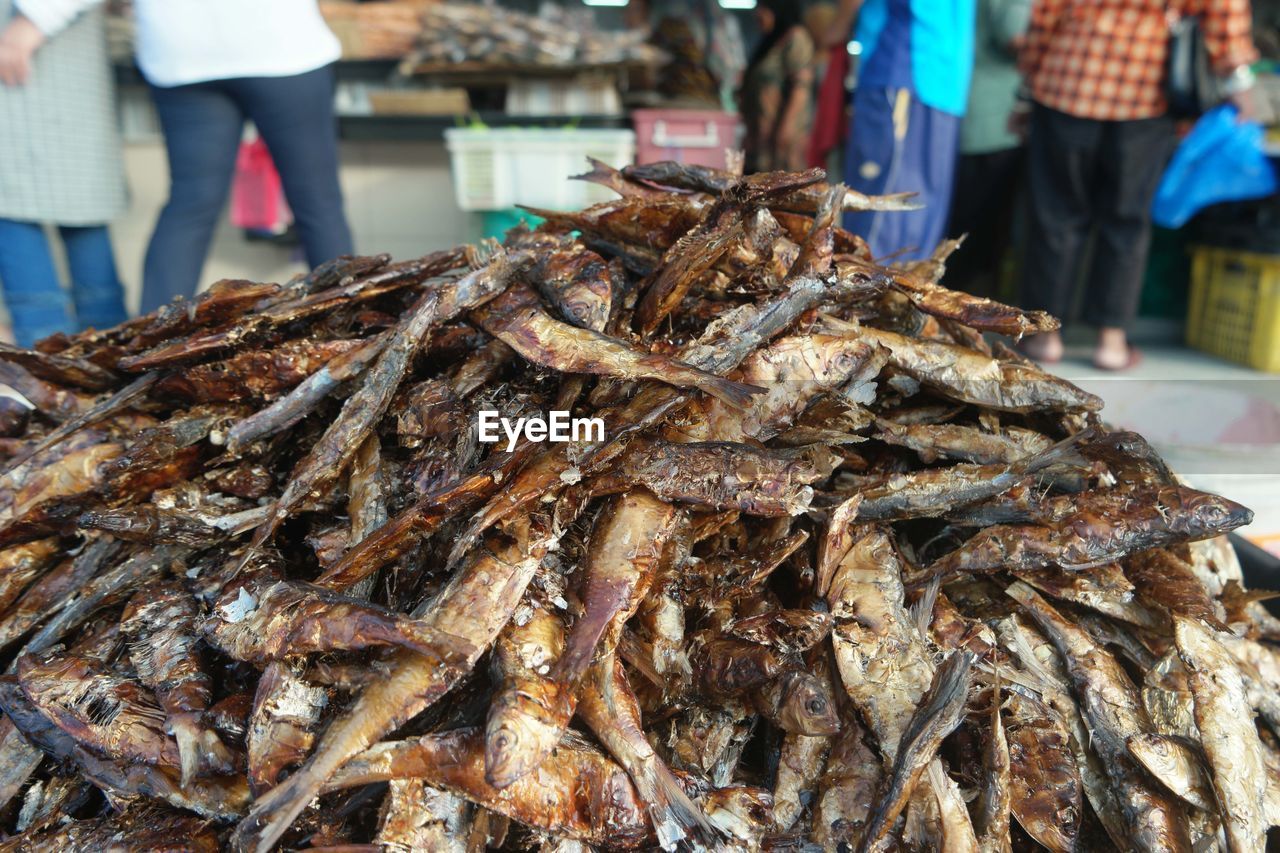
(498, 168)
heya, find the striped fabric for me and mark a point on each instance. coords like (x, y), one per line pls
(1105, 59)
(60, 158)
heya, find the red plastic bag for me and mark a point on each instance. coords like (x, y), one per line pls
(257, 199)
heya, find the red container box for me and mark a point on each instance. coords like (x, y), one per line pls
(699, 137)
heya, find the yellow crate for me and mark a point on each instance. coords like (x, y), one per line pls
(1235, 306)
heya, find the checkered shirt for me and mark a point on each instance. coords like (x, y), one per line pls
(1105, 59)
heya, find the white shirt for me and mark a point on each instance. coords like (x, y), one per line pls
(190, 41)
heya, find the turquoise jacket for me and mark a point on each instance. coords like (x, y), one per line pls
(924, 45)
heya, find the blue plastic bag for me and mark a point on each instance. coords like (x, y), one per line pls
(1220, 160)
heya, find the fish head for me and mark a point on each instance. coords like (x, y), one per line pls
(787, 630)
(1210, 515)
(741, 812)
(521, 731)
(806, 706)
(728, 666)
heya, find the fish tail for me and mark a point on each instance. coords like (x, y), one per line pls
(601, 173)
(830, 208)
(200, 751)
(1053, 454)
(189, 752)
(736, 394)
(557, 218)
(675, 817)
(891, 201)
(215, 753)
(274, 812)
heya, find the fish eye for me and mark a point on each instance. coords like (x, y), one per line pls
(816, 706)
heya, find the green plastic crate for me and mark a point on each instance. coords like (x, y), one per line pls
(496, 223)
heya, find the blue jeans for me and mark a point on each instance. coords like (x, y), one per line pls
(38, 306)
(202, 124)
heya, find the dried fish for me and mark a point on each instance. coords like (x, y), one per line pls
(609, 709)
(1045, 792)
(803, 200)
(266, 620)
(517, 320)
(523, 724)
(801, 762)
(470, 612)
(1176, 766)
(281, 726)
(1227, 731)
(416, 816)
(263, 585)
(883, 659)
(935, 491)
(576, 791)
(627, 542)
(996, 797)
(967, 376)
(1111, 705)
(940, 711)
(1099, 530)
(722, 475)
(110, 715)
(160, 625)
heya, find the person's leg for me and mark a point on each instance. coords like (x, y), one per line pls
(202, 127)
(1133, 158)
(969, 209)
(36, 302)
(1008, 174)
(295, 117)
(981, 210)
(1061, 155)
(932, 146)
(900, 145)
(870, 159)
(95, 286)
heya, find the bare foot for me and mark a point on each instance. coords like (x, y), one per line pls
(1046, 347)
(1113, 352)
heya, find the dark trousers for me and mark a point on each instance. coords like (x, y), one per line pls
(202, 125)
(1085, 177)
(982, 207)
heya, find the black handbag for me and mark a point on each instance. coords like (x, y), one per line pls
(1191, 89)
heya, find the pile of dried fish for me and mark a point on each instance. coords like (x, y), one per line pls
(842, 572)
(383, 30)
(489, 35)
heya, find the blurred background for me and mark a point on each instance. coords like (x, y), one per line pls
(450, 116)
